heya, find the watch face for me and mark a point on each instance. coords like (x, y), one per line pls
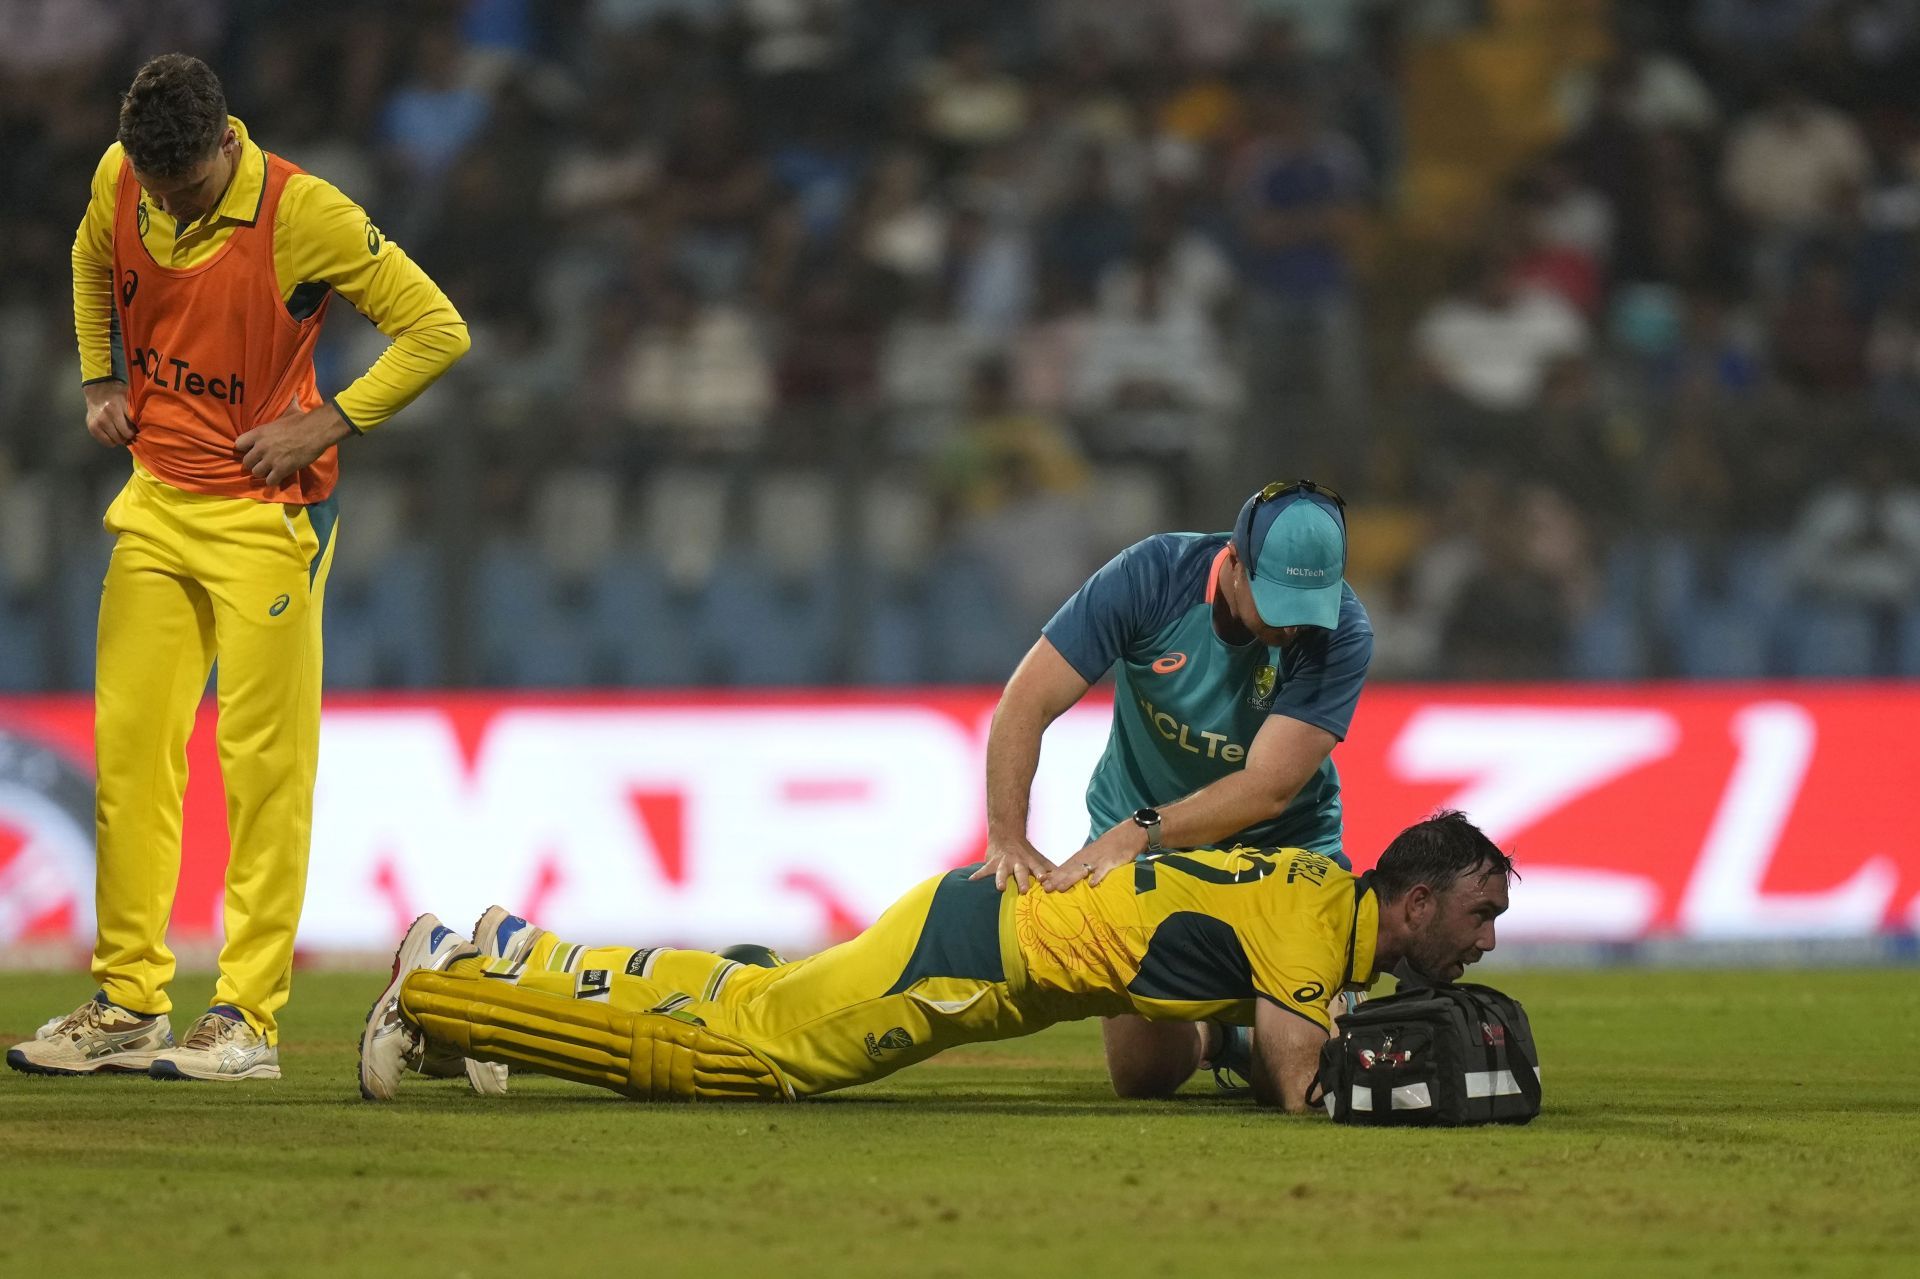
(1146, 816)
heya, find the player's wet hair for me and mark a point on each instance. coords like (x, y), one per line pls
(173, 116)
(1437, 852)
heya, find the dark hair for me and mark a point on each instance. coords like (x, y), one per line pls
(173, 116)
(1437, 852)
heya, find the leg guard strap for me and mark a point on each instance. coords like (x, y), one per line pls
(646, 1056)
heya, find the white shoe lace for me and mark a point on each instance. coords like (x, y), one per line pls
(87, 1016)
(210, 1031)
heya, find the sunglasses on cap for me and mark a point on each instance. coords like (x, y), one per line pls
(1243, 528)
(1280, 488)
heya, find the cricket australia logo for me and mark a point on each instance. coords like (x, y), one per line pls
(893, 1041)
(1264, 680)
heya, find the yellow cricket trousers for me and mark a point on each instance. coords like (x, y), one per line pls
(194, 578)
(938, 969)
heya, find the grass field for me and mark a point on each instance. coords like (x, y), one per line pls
(1705, 1123)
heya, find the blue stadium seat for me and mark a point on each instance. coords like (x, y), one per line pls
(756, 630)
(892, 646)
(1756, 573)
(1828, 641)
(1624, 575)
(384, 626)
(520, 639)
(1674, 581)
(77, 599)
(407, 601)
(1907, 644)
(1720, 641)
(1607, 644)
(352, 658)
(641, 629)
(970, 639)
(23, 666)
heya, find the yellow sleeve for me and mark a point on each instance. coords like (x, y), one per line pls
(1295, 963)
(93, 272)
(323, 237)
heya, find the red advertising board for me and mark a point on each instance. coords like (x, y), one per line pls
(1697, 811)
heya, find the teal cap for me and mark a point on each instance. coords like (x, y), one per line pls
(1293, 540)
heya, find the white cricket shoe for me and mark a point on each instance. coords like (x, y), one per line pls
(389, 1047)
(94, 1039)
(504, 939)
(221, 1047)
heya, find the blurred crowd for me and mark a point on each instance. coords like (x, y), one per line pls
(837, 340)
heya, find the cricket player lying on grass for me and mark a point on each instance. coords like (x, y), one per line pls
(1258, 937)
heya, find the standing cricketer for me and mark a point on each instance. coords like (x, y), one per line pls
(212, 262)
(1240, 658)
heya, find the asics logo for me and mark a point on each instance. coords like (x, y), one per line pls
(279, 606)
(1169, 664)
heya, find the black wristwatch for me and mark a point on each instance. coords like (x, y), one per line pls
(1148, 819)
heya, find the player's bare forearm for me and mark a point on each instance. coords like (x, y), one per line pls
(1286, 1056)
(1219, 810)
(1285, 755)
(1042, 688)
(1013, 756)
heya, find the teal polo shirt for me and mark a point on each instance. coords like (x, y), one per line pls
(1188, 702)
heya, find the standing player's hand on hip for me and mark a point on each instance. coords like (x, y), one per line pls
(275, 451)
(107, 420)
(1016, 859)
(1097, 860)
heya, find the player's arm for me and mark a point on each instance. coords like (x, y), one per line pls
(1284, 756)
(1311, 715)
(1286, 1055)
(105, 389)
(1043, 687)
(330, 240)
(335, 243)
(1076, 647)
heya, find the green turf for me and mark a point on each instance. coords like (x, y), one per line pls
(1715, 1123)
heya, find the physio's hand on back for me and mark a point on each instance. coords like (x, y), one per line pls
(107, 420)
(1015, 859)
(1096, 860)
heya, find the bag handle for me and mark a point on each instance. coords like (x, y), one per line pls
(1525, 1067)
(1488, 1003)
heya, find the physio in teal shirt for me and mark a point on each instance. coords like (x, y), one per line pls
(1241, 657)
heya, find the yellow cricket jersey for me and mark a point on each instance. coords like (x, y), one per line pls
(1197, 936)
(322, 240)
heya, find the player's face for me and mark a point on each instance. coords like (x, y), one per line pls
(192, 195)
(1459, 926)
